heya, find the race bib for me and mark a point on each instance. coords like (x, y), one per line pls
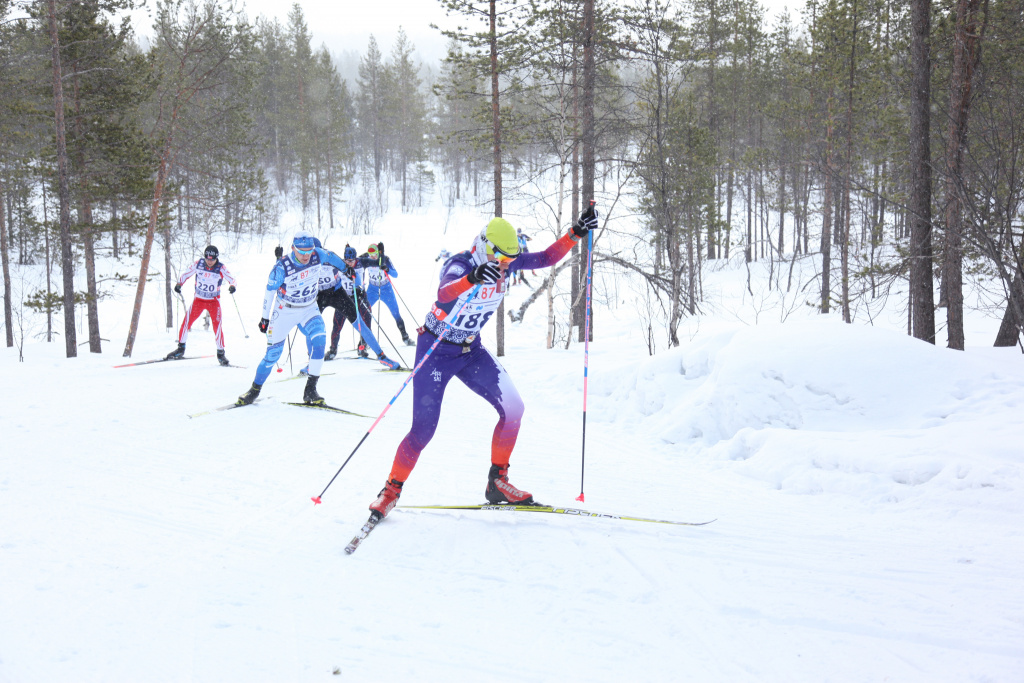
(474, 315)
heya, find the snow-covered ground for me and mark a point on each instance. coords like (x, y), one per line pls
(867, 491)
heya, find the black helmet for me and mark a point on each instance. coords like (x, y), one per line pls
(211, 252)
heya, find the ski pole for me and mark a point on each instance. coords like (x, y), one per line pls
(398, 353)
(317, 499)
(184, 306)
(239, 315)
(291, 370)
(391, 282)
(586, 354)
(357, 325)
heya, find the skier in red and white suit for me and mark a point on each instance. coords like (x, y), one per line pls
(209, 272)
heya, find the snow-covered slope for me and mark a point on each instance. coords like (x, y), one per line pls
(867, 490)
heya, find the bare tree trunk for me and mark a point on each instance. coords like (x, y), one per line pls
(88, 238)
(691, 266)
(587, 167)
(1009, 329)
(92, 300)
(922, 295)
(749, 251)
(66, 262)
(330, 190)
(8, 308)
(115, 250)
(728, 199)
(712, 62)
(845, 245)
(966, 55)
(499, 324)
(147, 249)
(316, 172)
(782, 208)
(168, 301)
(49, 283)
(826, 233)
(575, 319)
(676, 270)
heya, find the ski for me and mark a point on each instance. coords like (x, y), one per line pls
(548, 509)
(375, 360)
(371, 523)
(160, 360)
(301, 375)
(326, 407)
(227, 407)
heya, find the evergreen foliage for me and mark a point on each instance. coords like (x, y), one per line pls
(730, 136)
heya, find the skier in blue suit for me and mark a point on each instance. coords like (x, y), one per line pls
(290, 301)
(377, 273)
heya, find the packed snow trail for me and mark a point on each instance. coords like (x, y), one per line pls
(867, 494)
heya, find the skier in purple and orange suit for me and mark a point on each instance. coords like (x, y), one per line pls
(494, 255)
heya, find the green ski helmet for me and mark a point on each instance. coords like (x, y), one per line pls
(501, 238)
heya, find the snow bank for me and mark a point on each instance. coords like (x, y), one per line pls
(817, 406)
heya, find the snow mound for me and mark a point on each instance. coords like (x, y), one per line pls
(893, 413)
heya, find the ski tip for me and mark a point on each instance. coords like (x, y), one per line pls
(316, 500)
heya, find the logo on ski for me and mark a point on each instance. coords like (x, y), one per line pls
(576, 512)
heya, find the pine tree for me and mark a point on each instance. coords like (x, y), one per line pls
(407, 107)
(197, 51)
(372, 106)
(108, 153)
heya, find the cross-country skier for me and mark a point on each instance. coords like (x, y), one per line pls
(444, 255)
(522, 238)
(294, 282)
(344, 290)
(209, 272)
(378, 271)
(494, 254)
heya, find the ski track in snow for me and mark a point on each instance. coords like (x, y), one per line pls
(867, 491)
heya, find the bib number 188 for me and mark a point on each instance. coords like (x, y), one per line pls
(472, 321)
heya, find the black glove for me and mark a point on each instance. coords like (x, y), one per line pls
(177, 288)
(264, 324)
(488, 273)
(278, 252)
(231, 289)
(586, 222)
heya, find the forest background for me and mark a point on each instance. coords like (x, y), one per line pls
(872, 143)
